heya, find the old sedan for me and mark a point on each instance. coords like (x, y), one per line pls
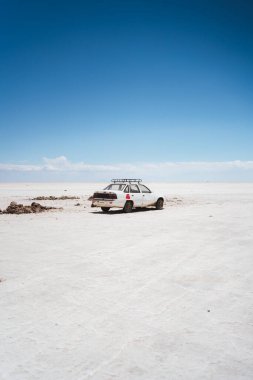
(126, 194)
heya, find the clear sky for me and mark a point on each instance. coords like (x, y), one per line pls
(116, 83)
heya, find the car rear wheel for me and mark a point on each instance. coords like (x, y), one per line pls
(128, 207)
(159, 204)
(105, 209)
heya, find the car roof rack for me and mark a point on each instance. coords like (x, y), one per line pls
(129, 180)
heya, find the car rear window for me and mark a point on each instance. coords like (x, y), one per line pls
(115, 187)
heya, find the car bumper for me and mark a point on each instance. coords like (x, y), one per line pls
(106, 203)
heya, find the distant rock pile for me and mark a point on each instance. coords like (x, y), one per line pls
(52, 198)
(15, 208)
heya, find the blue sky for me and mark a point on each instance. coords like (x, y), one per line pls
(105, 83)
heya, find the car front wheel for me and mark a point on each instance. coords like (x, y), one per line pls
(159, 204)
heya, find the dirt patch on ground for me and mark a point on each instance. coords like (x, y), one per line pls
(15, 208)
(174, 201)
(52, 198)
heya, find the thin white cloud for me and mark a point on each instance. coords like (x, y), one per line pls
(62, 164)
(20, 167)
(58, 164)
(202, 165)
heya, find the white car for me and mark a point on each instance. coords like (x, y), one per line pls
(126, 194)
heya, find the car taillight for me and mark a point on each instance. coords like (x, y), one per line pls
(113, 196)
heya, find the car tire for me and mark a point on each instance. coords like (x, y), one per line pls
(159, 204)
(105, 209)
(128, 207)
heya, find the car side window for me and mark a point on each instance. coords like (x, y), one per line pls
(134, 189)
(144, 189)
(126, 189)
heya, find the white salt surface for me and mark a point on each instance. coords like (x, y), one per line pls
(150, 295)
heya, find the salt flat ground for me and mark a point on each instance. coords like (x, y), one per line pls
(150, 295)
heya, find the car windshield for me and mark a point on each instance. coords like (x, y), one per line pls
(116, 186)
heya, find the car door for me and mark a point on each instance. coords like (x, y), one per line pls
(136, 195)
(147, 196)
